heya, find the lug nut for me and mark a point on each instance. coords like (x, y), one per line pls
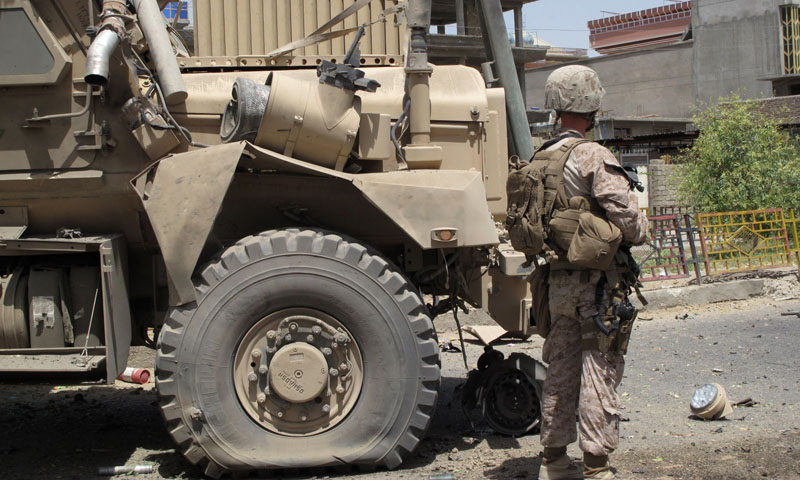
(343, 367)
(340, 337)
(326, 408)
(280, 413)
(339, 389)
(256, 353)
(310, 338)
(293, 327)
(287, 338)
(261, 398)
(252, 376)
(271, 334)
(262, 369)
(270, 349)
(327, 351)
(335, 345)
(316, 329)
(333, 372)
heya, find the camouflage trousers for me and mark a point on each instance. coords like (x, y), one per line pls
(585, 381)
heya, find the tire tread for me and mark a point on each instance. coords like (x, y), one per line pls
(274, 242)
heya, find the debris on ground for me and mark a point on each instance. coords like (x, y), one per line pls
(487, 334)
(449, 346)
(135, 375)
(125, 470)
(747, 402)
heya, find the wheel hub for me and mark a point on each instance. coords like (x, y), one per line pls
(298, 372)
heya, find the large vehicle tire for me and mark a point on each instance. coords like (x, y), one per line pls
(247, 376)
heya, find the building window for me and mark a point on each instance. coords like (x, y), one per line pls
(171, 10)
(622, 133)
(790, 27)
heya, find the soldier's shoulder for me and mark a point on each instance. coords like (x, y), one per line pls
(593, 148)
(594, 153)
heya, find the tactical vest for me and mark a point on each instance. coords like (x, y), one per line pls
(541, 216)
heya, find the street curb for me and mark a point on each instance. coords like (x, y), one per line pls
(701, 294)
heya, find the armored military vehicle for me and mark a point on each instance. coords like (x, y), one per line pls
(269, 215)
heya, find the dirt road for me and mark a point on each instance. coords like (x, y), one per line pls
(69, 431)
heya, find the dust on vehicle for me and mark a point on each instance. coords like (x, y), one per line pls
(268, 214)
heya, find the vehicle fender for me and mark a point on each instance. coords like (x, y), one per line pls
(183, 194)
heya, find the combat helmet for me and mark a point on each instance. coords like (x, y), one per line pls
(575, 89)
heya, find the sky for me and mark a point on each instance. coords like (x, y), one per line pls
(562, 23)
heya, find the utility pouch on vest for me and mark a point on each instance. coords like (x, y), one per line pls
(563, 225)
(595, 242)
(525, 191)
(540, 306)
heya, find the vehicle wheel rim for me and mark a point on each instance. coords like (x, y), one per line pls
(512, 402)
(298, 372)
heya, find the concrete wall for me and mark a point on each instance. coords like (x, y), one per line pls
(737, 42)
(660, 185)
(648, 82)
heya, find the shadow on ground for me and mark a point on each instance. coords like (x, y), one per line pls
(52, 432)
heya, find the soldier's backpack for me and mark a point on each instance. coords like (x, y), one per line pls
(535, 189)
(541, 214)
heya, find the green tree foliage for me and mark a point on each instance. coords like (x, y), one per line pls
(742, 160)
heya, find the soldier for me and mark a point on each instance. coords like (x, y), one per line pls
(584, 371)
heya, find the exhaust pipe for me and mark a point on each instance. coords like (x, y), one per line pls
(99, 55)
(420, 153)
(154, 28)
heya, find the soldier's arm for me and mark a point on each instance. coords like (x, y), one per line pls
(611, 188)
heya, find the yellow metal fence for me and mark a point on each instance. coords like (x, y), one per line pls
(747, 240)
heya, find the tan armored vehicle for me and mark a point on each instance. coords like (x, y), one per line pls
(267, 214)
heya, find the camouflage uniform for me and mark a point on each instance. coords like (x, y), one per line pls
(586, 380)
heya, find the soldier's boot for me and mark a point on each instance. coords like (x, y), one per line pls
(558, 466)
(597, 468)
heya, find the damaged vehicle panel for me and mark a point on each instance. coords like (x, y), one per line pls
(271, 223)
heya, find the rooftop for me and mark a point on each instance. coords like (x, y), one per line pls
(443, 12)
(645, 28)
(787, 109)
